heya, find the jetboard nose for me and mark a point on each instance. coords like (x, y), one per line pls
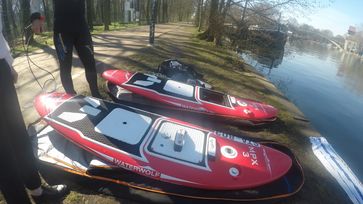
(116, 76)
(46, 103)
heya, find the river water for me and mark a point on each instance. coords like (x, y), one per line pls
(327, 86)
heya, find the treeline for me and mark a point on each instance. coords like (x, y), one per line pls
(308, 32)
(16, 14)
(220, 20)
(231, 20)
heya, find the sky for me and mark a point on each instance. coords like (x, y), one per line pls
(337, 17)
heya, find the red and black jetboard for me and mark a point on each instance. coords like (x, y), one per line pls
(192, 98)
(162, 148)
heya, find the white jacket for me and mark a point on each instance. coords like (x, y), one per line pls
(4, 47)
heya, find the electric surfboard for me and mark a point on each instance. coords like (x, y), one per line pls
(160, 147)
(192, 98)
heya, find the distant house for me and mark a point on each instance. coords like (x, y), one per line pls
(352, 41)
(131, 11)
(352, 30)
(351, 45)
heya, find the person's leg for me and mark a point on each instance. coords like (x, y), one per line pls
(11, 185)
(84, 47)
(64, 46)
(16, 150)
(18, 136)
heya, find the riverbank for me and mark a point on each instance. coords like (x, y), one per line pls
(226, 72)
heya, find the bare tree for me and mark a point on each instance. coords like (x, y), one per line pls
(217, 15)
(106, 14)
(251, 11)
(7, 29)
(47, 13)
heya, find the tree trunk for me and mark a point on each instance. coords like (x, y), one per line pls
(200, 15)
(7, 29)
(25, 17)
(148, 5)
(197, 14)
(244, 11)
(165, 11)
(100, 8)
(14, 23)
(221, 6)
(106, 14)
(209, 34)
(219, 32)
(46, 14)
(153, 21)
(158, 16)
(122, 13)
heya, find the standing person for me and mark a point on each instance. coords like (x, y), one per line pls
(18, 164)
(70, 30)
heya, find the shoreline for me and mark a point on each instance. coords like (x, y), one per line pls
(226, 72)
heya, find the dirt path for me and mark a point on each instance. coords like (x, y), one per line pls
(108, 46)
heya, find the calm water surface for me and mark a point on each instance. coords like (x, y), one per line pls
(327, 86)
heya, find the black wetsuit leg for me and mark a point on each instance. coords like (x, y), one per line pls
(84, 47)
(18, 165)
(64, 46)
(82, 41)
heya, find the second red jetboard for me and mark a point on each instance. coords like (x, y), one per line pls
(192, 98)
(162, 148)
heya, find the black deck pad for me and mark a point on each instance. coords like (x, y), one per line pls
(87, 124)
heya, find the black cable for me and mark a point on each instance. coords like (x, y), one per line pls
(29, 60)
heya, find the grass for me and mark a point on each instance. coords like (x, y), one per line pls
(45, 39)
(115, 26)
(74, 197)
(42, 40)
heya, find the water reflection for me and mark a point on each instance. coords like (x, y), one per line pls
(300, 47)
(326, 85)
(263, 57)
(351, 69)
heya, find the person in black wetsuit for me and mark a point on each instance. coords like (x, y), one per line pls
(18, 164)
(70, 30)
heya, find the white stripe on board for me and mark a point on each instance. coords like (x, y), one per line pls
(338, 168)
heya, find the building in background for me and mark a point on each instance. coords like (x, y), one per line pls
(131, 11)
(353, 40)
(352, 30)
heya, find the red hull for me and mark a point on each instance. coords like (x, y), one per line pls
(206, 160)
(192, 98)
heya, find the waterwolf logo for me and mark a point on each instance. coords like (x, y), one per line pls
(137, 169)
